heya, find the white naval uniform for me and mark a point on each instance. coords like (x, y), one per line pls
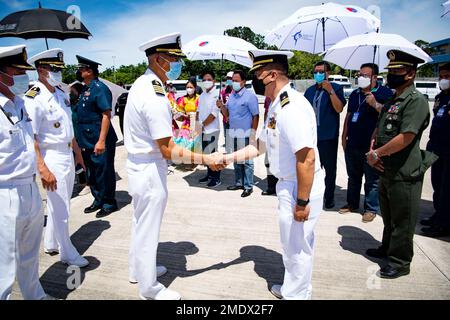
(148, 118)
(289, 129)
(53, 128)
(21, 219)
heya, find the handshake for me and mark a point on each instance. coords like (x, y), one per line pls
(217, 161)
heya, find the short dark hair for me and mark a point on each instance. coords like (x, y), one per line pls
(210, 72)
(373, 66)
(77, 86)
(241, 74)
(445, 66)
(325, 64)
(192, 81)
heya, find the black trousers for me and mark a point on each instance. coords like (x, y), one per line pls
(210, 144)
(440, 173)
(328, 151)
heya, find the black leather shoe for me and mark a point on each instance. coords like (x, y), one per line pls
(104, 212)
(435, 231)
(427, 222)
(92, 208)
(269, 193)
(329, 205)
(234, 188)
(378, 253)
(246, 193)
(390, 272)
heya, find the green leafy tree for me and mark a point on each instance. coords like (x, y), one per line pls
(69, 73)
(427, 70)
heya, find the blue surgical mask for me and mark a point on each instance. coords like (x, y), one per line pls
(21, 83)
(237, 86)
(319, 77)
(175, 70)
(229, 82)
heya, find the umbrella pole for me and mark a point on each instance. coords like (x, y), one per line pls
(221, 76)
(323, 33)
(46, 43)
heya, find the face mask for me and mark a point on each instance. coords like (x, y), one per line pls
(259, 86)
(229, 83)
(78, 76)
(444, 84)
(395, 81)
(319, 77)
(21, 83)
(363, 82)
(237, 86)
(175, 70)
(190, 91)
(208, 84)
(54, 78)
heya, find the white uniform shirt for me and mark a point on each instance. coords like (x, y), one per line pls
(288, 130)
(17, 155)
(148, 116)
(206, 106)
(51, 115)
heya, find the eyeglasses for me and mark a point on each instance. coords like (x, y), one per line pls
(364, 75)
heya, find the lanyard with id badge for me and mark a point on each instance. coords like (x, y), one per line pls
(16, 132)
(441, 111)
(355, 116)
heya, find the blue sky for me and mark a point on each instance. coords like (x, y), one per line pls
(118, 26)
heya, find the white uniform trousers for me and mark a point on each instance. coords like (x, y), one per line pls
(61, 164)
(148, 187)
(21, 224)
(297, 240)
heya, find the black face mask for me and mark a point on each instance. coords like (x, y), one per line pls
(259, 86)
(78, 76)
(395, 81)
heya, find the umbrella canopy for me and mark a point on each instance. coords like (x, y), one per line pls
(43, 23)
(352, 52)
(446, 12)
(315, 29)
(213, 47)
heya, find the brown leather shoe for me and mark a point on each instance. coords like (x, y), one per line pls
(368, 217)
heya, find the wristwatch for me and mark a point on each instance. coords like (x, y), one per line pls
(302, 203)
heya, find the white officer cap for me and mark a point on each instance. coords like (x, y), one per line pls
(14, 56)
(230, 74)
(168, 44)
(261, 58)
(52, 57)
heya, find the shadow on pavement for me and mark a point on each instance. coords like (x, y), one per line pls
(58, 279)
(123, 199)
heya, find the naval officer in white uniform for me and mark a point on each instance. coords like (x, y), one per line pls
(290, 138)
(21, 219)
(148, 140)
(49, 107)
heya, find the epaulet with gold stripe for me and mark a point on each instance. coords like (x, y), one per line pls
(157, 86)
(284, 99)
(33, 92)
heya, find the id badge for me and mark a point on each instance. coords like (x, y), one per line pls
(440, 113)
(17, 138)
(355, 117)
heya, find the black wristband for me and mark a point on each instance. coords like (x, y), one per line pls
(302, 203)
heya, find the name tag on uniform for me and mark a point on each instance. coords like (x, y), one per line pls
(355, 117)
(440, 113)
(17, 138)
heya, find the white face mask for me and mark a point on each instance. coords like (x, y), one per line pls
(21, 83)
(444, 84)
(208, 84)
(363, 82)
(190, 91)
(54, 78)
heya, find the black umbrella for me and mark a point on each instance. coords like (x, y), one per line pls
(43, 23)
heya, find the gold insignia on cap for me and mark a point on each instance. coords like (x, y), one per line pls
(61, 56)
(391, 55)
(25, 56)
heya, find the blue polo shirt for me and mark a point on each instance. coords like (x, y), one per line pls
(440, 128)
(327, 118)
(361, 127)
(242, 107)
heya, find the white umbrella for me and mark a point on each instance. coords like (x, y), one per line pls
(213, 47)
(446, 6)
(352, 52)
(316, 28)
